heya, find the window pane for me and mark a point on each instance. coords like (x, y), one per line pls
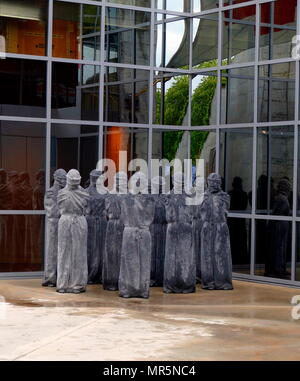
(71, 148)
(236, 167)
(76, 31)
(171, 93)
(75, 91)
(203, 5)
(237, 96)
(126, 95)
(273, 249)
(240, 240)
(204, 99)
(275, 158)
(298, 252)
(23, 87)
(21, 243)
(203, 146)
(239, 35)
(22, 159)
(137, 3)
(276, 93)
(205, 41)
(127, 37)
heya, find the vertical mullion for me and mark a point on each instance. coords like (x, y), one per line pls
(101, 86)
(151, 90)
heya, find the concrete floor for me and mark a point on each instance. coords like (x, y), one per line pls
(253, 322)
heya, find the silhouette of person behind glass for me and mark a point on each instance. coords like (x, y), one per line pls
(237, 226)
(5, 204)
(278, 233)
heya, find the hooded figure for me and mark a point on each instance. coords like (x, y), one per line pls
(52, 213)
(96, 227)
(114, 233)
(37, 231)
(72, 271)
(180, 265)
(158, 231)
(26, 204)
(137, 214)
(5, 204)
(216, 263)
(278, 233)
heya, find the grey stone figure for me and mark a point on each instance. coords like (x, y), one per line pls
(137, 213)
(114, 233)
(53, 215)
(216, 263)
(180, 266)
(158, 230)
(97, 224)
(72, 269)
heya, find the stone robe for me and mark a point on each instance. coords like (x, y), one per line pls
(113, 243)
(196, 227)
(135, 272)
(72, 269)
(53, 214)
(5, 204)
(216, 263)
(97, 224)
(180, 265)
(158, 231)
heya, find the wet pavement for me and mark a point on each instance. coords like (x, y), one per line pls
(252, 322)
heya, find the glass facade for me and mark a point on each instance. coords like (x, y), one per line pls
(215, 80)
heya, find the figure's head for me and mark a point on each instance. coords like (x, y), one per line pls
(3, 176)
(40, 176)
(24, 178)
(214, 182)
(60, 177)
(284, 186)
(13, 177)
(73, 178)
(94, 176)
(237, 183)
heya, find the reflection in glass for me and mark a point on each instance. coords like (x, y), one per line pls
(22, 159)
(76, 31)
(127, 36)
(137, 3)
(21, 243)
(23, 24)
(126, 95)
(205, 41)
(278, 27)
(23, 87)
(237, 96)
(204, 5)
(240, 240)
(172, 42)
(273, 249)
(236, 167)
(297, 278)
(74, 146)
(171, 92)
(276, 93)
(204, 99)
(75, 91)
(239, 35)
(298, 194)
(275, 159)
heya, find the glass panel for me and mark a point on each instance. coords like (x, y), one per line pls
(276, 93)
(239, 35)
(298, 194)
(205, 41)
(203, 5)
(204, 99)
(172, 42)
(174, 5)
(24, 26)
(71, 148)
(75, 91)
(22, 159)
(273, 249)
(298, 252)
(137, 3)
(275, 159)
(277, 29)
(21, 243)
(127, 37)
(23, 87)
(237, 96)
(240, 240)
(126, 97)
(236, 167)
(134, 141)
(76, 31)
(171, 93)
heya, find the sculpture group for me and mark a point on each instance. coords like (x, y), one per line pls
(132, 237)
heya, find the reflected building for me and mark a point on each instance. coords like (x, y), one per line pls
(186, 79)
